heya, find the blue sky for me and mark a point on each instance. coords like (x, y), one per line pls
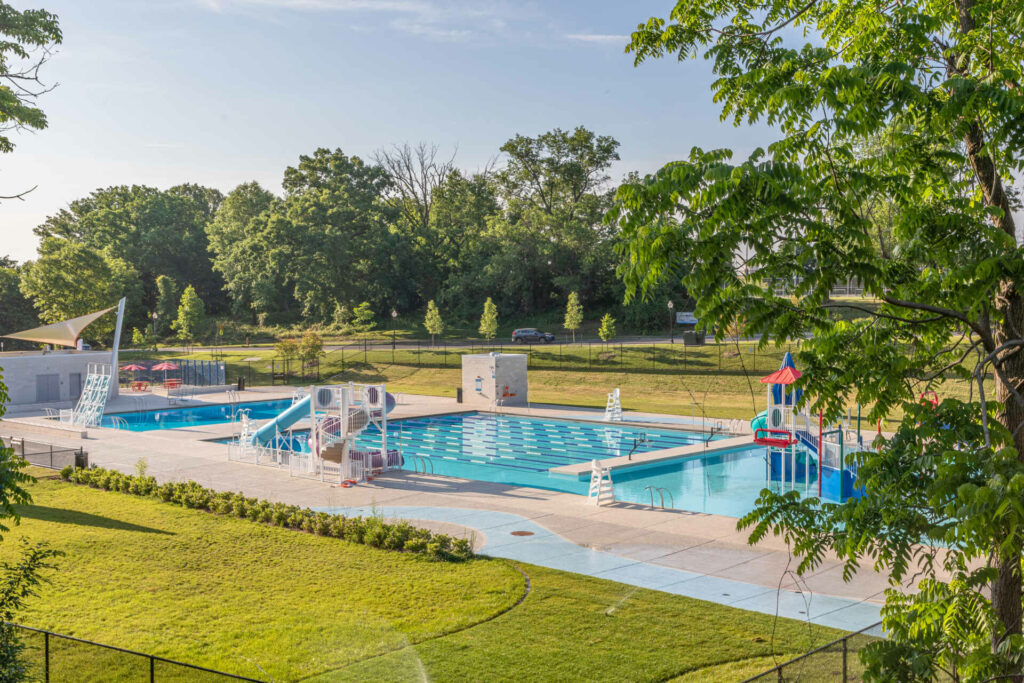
(220, 92)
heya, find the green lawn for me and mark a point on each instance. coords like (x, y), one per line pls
(239, 596)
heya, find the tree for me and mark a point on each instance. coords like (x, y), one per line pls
(573, 314)
(158, 232)
(342, 318)
(416, 173)
(607, 330)
(362, 318)
(70, 279)
(943, 83)
(140, 339)
(191, 316)
(433, 321)
(236, 225)
(16, 311)
(26, 41)
(489, 321)
(286, 349)
(166, 303)
(310, 348)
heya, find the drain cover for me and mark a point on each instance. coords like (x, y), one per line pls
(522, 533)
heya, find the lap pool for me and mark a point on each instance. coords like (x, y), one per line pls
(520, 451)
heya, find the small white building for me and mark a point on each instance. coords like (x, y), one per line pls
(47, 378)
(57, 377)
(490, 380)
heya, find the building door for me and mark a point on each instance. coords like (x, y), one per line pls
(47, 388)
(75, 385)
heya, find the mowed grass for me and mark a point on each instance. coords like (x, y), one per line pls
(242, 597)
(719, 381)
(238, 596)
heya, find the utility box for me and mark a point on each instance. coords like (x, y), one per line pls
(490, 380)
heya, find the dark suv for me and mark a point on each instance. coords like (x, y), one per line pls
(528, 335)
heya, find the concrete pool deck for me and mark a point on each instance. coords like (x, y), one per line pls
(695, 554)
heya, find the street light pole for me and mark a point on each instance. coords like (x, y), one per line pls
(671, 324)
(155, 316)
(394, 317)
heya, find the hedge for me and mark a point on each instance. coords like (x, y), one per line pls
(371, 531)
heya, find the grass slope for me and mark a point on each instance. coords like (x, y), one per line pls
(231, 594)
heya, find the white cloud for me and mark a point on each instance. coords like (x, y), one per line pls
(598, 38)
(442, 20)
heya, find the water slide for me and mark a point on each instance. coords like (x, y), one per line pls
(300, 409)
(760, 421)
(286, 419)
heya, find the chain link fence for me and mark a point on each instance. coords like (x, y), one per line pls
(46, 454)
(836, 661)
(55, 658)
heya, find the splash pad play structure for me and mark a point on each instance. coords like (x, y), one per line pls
(315, 437)
(803, 453)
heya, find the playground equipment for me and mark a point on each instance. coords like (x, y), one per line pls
(802, 450)
(337, 415)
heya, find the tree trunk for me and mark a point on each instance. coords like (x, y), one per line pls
(1006, 588)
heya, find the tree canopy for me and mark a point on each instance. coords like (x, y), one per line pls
(941, 85)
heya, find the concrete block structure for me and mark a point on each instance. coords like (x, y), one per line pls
(54, 378)
(494, 379)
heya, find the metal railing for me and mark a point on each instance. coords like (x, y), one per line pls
(48, 656)
(46, 454)
(835, 661)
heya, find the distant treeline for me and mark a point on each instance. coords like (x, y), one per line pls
(398, 230)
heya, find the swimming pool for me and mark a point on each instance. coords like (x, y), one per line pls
(197, 416)
(520, 451)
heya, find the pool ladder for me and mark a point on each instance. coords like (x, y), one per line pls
(419, 461)
(661, 496)
(118, 422)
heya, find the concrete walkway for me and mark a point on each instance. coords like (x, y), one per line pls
(699, 555)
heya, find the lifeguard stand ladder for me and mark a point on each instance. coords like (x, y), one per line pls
(601, 488)
(89, 410)
(613, 409)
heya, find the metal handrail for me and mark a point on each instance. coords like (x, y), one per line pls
(117, 422)
(661, 495)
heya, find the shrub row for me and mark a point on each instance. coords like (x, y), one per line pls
(370, 531)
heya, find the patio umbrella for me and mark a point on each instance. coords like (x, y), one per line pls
(165, 367)
(133, 368)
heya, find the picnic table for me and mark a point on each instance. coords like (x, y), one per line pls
(139, 385)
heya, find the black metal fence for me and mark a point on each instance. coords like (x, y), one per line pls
(46, 454)
(56, 658)
(836, 661)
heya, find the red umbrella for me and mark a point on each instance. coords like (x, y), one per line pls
(134, 367)
(165, 367)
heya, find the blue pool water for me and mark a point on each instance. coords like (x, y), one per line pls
(173, 418)
(519, 451)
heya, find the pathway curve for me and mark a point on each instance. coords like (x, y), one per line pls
(547, 549)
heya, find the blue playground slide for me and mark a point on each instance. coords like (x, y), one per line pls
(286, 419)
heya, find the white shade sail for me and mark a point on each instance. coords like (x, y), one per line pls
(64, 333)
